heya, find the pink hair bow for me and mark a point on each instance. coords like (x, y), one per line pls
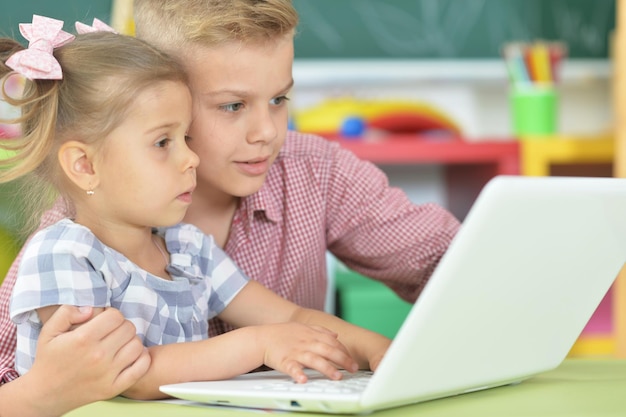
(37, 62)
(97, 26)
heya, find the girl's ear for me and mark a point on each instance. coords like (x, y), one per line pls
(76, 162)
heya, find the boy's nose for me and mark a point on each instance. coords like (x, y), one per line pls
(263, 128)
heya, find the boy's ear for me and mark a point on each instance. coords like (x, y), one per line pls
(75, 160)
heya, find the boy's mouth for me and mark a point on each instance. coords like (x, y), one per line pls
(254, 167)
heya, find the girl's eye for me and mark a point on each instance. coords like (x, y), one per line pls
(163, 143)
(232, 107)
(279, 100)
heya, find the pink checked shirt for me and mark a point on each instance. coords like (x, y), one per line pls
(317, 197)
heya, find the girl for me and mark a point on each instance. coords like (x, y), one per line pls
(105, 120)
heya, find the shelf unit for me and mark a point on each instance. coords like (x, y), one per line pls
(589, 156)
(618, 79)
(541, 156)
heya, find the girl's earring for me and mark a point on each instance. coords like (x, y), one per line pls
(90, 192)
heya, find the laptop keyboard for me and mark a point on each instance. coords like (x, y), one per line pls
(349, 384)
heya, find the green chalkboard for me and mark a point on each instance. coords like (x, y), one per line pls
(21, 11)
(451, 29)
(398, 28)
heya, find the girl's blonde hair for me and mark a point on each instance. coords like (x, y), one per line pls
(175, 25)
(103, 72)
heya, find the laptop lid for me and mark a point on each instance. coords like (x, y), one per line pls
(529, 266)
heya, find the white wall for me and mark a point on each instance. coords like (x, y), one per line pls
(473, 93)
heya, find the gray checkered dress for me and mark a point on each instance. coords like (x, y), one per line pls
(66, 264)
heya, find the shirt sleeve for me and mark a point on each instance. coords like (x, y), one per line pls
(7, 329)
(59, 266)
(8, 337)
(197, 257)
(7, 348)
(226, 279)
(377, 231)
(7, 374)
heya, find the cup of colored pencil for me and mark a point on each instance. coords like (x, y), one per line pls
(534, 72)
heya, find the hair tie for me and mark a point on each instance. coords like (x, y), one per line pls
(37, 62)
(97, 26)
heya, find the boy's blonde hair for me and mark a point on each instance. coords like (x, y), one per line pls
(103, 73)
(174, 25)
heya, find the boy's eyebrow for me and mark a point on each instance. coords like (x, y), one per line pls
(289, 86)
(245, 93)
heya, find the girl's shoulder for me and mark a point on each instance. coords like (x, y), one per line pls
(65, 243)
(185, 238)
(64, 233)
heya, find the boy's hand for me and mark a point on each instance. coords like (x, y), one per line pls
(95, 361)
(373, 347)
(291, 347)
(377, 354)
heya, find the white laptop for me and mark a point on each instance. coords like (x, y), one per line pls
(531, 263)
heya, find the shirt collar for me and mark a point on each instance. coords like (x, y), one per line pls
(266, 200)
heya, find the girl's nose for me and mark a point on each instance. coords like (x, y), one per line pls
(192, 160)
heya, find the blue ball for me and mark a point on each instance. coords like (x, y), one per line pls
(353, 127)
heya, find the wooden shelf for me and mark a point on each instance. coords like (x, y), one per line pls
(412, 149)
(539, 154)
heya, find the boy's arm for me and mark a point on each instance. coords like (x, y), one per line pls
(106, 358)
(377, 231)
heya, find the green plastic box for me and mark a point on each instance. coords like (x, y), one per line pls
(368, 303)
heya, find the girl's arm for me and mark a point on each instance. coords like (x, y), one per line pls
(285, 347)
(264, 306)
(273, 332)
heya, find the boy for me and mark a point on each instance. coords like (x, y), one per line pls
(276, 201)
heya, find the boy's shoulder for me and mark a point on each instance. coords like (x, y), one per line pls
(308, 151)
(307, 146)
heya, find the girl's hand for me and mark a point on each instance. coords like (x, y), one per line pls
(291, 347)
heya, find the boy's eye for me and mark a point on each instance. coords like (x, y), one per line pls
(279, 100)
(187, 138)
(232, 107)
